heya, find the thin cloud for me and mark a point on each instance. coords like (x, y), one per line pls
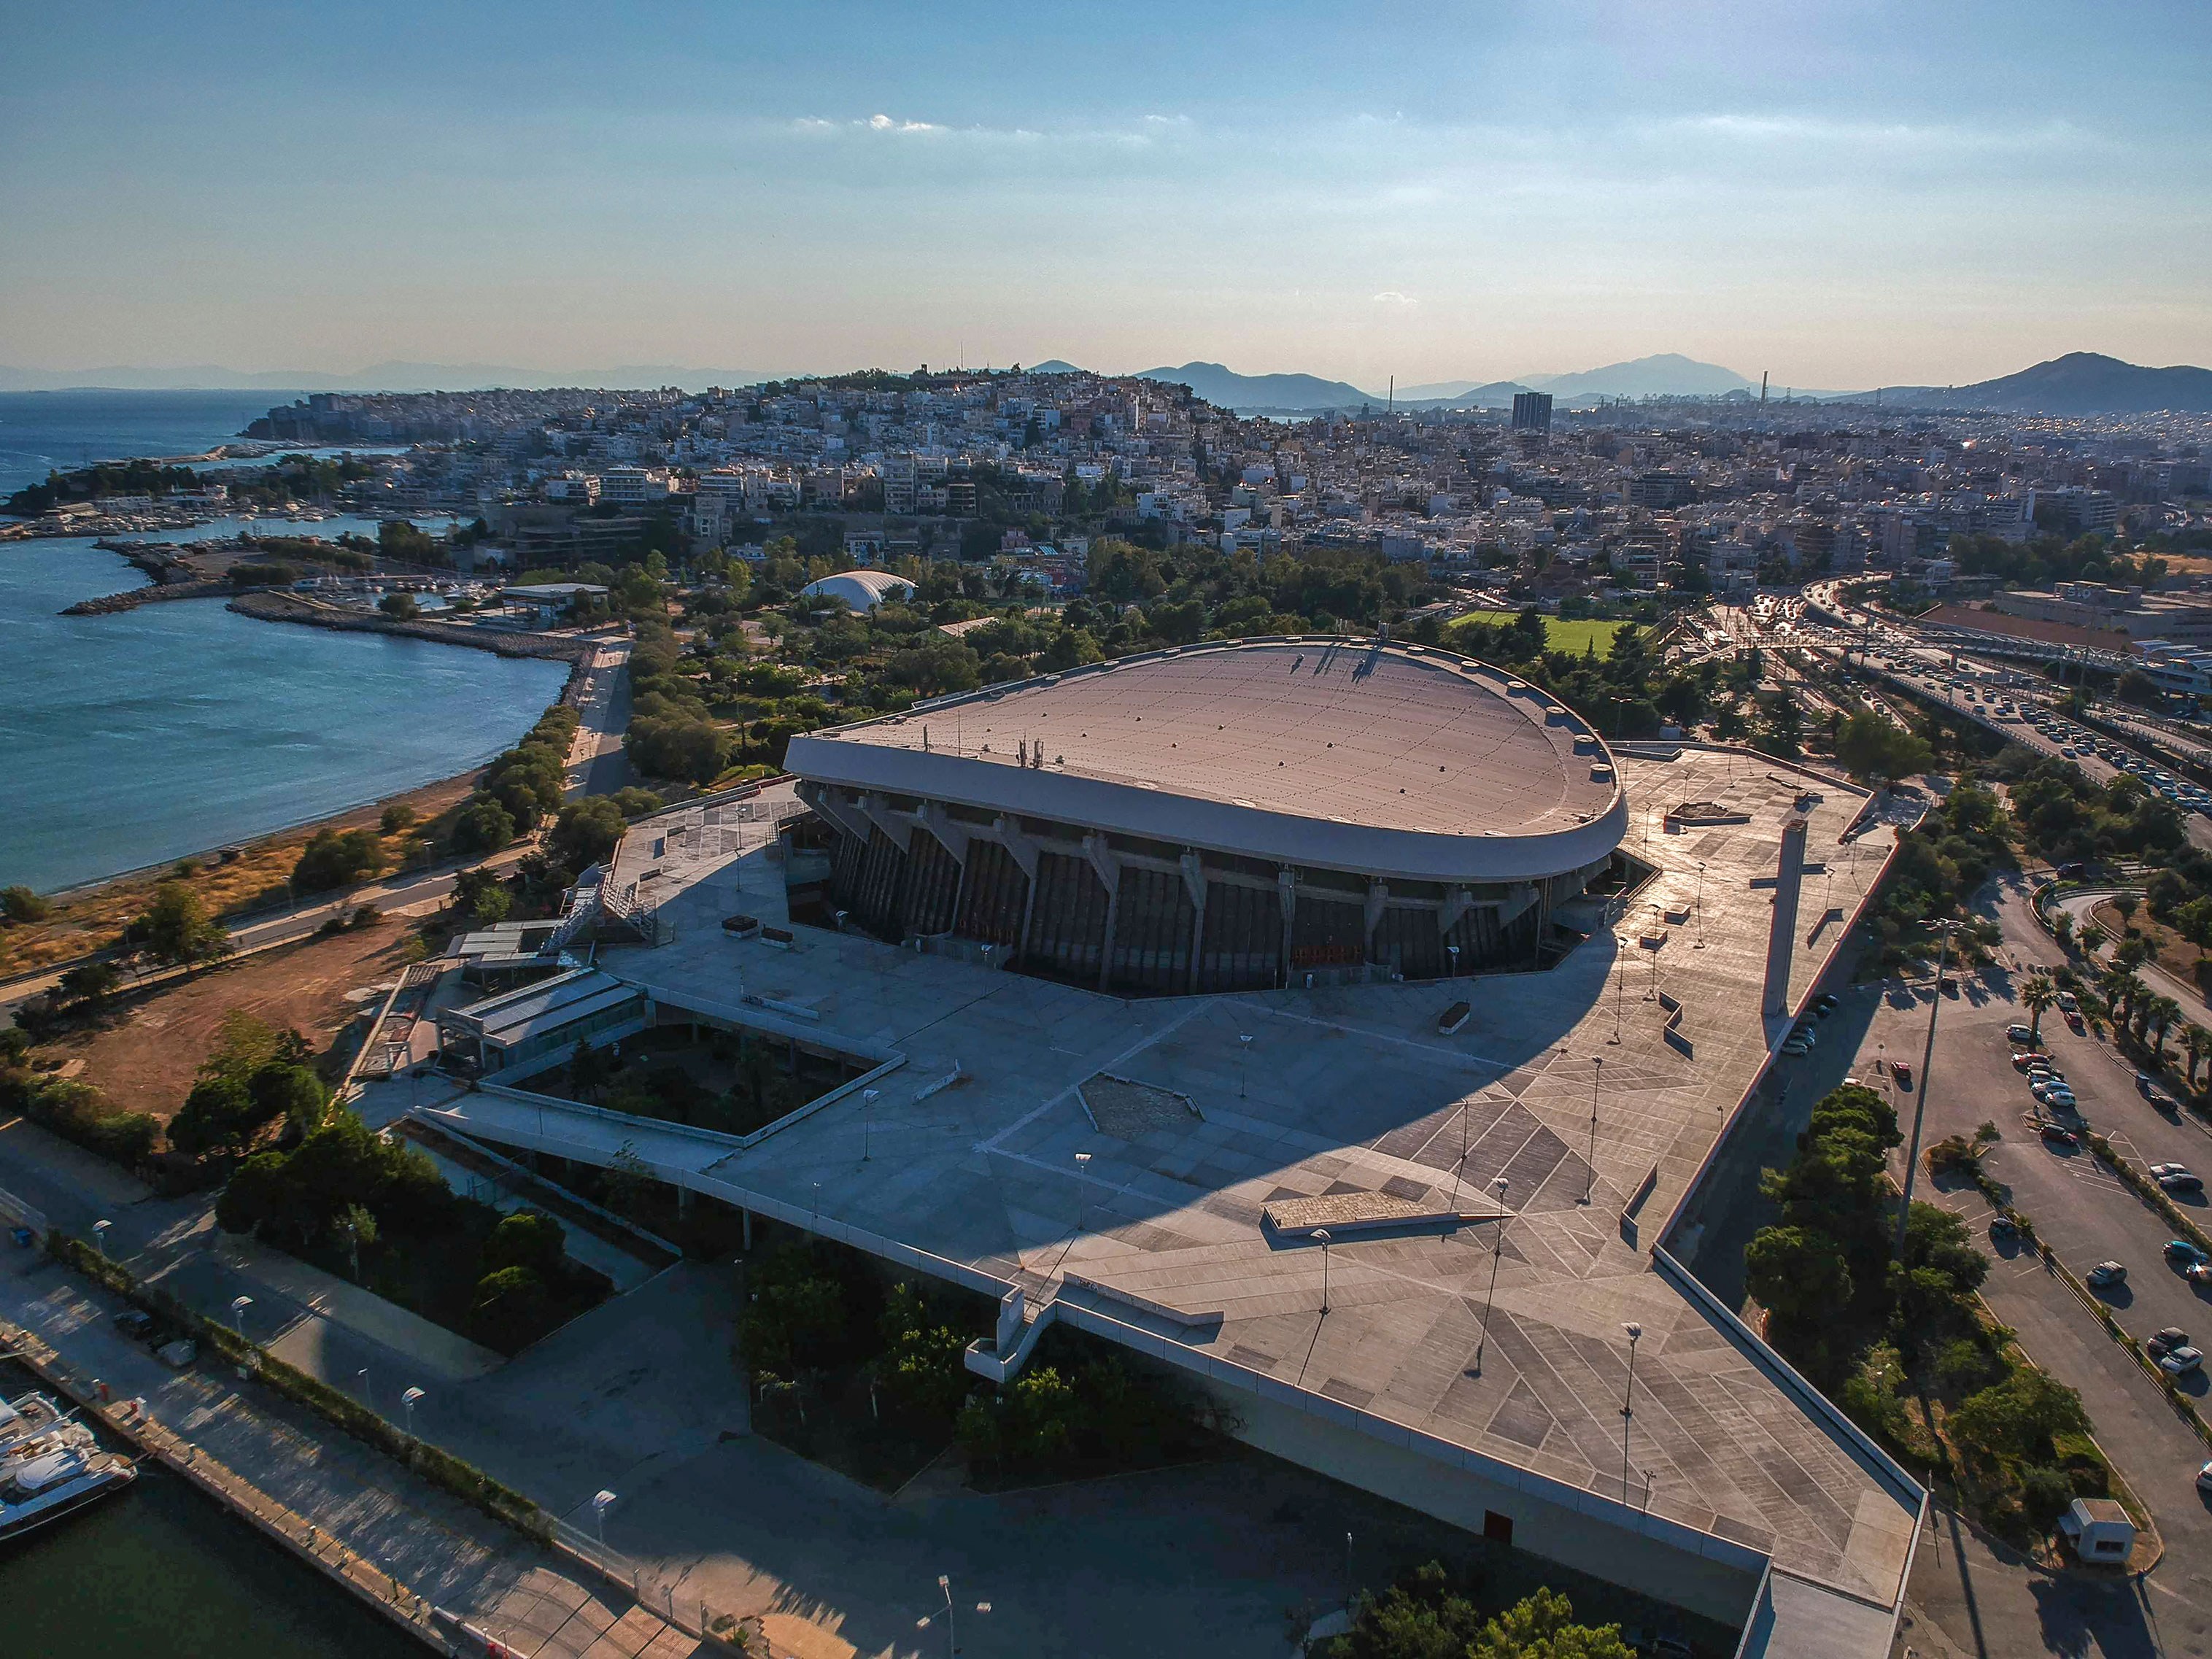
(1390, 296)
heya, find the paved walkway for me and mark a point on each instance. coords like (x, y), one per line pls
(440, 1549)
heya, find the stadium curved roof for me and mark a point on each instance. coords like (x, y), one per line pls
(1398, 760)
(864, 590)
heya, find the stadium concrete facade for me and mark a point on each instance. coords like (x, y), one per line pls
(1242, 815)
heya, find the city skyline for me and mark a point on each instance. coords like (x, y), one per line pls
(1851, 197)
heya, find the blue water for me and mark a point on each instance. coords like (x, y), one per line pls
(47, 431)
(131, 740)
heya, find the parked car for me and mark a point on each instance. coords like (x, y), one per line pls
(1903, 1073)
(2058, 1137)
(2181, 1181)
(2200, 1274)
(2172, 1337)
(2205, 1479)
(2028, 1059)
(2002, 1229)
(2107, 1273)
(2161, 1170)
(2019, 1034)
(2183, 1251)
(2179, 1362)
(1825, 1004)
(2069, 1003)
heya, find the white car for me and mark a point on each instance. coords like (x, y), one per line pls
(2179, 1362)
(2107, 1273)
(2205, 1479)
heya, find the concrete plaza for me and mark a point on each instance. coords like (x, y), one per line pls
(1414, 1381)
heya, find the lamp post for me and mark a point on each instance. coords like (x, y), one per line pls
(363, 1374)
(239, 1304)
(601, 1503)
(1496, 1250)
(1082, 1188)
(100, 1236)
(407, 1400)
(951, 1633)
(1620, 981)
(1943, 930)
(1700, 944)
(1628, 1404)
(1453, 950)
(1244, 1062)
(867, 1121)
(1322, 1238)
(1589, 1164)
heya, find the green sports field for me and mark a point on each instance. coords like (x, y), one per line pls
(1575, 637)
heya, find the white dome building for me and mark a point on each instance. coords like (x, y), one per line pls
(863, 590)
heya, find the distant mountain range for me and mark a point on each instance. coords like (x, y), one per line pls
(2079, 383)
(376, 377)
(1668, 375)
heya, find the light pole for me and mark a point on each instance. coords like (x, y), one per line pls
(407, 1400)
(1943, 930)
(239, 1304)
(1244, 1062)
(1700, 944)
(951, 1634)
(867, 1121)
(100, 1236)
(1453, 949)
(1620, 979)
(1589, 1164)
(601, 1503)
(1496, 1250)
(1628, 1404)
(363, 1374)
(1322, 1238)
(1082, 1189)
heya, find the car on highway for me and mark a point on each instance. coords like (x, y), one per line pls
(2106, 1273)
(2179, 1362)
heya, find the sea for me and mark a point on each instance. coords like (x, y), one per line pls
(131, 740)
(54, 431)
(159, 1569)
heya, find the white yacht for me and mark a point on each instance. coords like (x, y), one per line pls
(25, 1415)
(47, 1475)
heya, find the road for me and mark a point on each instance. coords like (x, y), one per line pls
(2086, 1216)
(597, 763)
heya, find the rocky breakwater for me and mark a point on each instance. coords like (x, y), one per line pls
(274, 605)
(174, 578)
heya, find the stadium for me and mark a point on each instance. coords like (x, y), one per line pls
(1234, 816)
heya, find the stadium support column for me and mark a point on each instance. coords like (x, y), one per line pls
(1782, 929)
(1286, 887)
(1194, 882)
(1109, 871)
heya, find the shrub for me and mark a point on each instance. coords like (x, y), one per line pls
(2044, 1495)
(528, 1238)
(339, 858)
(483, 826)
(512, 1305)
(21, 904)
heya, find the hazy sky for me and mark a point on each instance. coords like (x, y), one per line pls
(1846, 194)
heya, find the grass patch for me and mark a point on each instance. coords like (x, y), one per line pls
(1574, 637)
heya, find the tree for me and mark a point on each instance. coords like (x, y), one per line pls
(400, 607)
(2016, 1420)
(339, 858)
(587, 832)
(1541, 1626)
(21, 904)
(2194, 1041)
(589, 1070)
(2036, 995)
(89, 983)
(2126, 903)
(528, 1238)
(512, 1306)
(1796, 1272)
(216, 1117)
(175, 927)
(485, 826)
(2193, 921)
(1869, 747)
(396, 818)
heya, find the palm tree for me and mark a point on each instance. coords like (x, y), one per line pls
(2036, 996)
(2163, 1010)
(2194, 1039)
(2092, 939)
(2112, 985)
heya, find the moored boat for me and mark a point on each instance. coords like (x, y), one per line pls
(45, 1476)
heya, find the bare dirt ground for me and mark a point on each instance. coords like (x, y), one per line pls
(89, 919)
(144, 1056)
